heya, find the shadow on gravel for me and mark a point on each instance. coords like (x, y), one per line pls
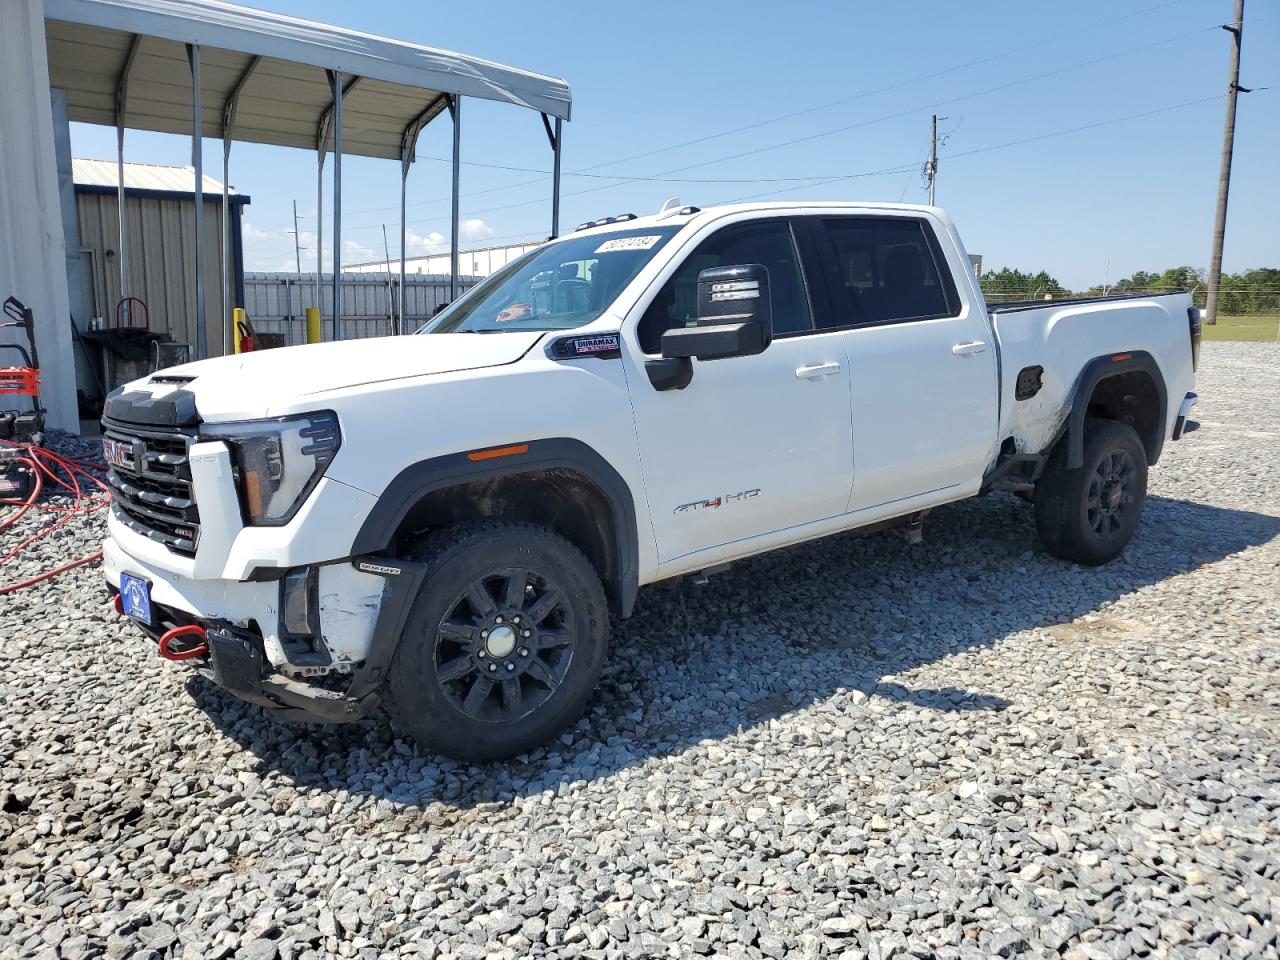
(774, 634)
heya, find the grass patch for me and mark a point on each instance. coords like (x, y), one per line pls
(1257, 327)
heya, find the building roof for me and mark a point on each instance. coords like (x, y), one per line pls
(154, 177)
(469, 251)
(279, 66)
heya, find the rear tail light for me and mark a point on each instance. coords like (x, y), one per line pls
(1193, 321)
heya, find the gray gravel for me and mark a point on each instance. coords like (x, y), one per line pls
(856, 748)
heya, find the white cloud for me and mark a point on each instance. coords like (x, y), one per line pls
(419, 245)
(251, 233)
(353, 252)
(475, 229)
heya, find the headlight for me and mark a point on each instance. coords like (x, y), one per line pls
(278, 462)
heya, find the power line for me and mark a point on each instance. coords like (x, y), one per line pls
(893, 86)
(760, 123)
(997, 146)
(846, 128)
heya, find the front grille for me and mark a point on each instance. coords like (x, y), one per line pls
(154, 496)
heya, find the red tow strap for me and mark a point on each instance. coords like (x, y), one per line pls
(192, 631)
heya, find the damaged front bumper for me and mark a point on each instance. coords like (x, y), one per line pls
(231, 633)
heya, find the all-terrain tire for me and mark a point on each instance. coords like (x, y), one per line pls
(486, 679)
(1089, 515)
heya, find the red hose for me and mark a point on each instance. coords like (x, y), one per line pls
(65, 475)
(49, 574)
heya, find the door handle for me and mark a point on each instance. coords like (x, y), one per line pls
(812, 371)
(971, 346)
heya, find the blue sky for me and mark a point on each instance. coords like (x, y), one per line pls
(1138, 193)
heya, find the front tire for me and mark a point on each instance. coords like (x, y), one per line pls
(504, 643)
(1089, 515)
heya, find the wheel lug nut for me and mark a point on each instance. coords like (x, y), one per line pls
(515, 619)
(526, 633)
(510, 667)
(498, 618)
(482, 654)
(493, 667)
(484, 634)
(524, 651)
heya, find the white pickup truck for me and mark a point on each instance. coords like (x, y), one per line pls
(444, 523)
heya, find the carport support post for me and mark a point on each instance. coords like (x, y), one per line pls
(405, 160)
(228, 131)
(455, 111)
(555, 181)
(224, 320)
(123, 242)
(335, 83)
(122, 97)
(197, 161)
(320, 151)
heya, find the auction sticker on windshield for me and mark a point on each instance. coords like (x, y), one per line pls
(627, 243)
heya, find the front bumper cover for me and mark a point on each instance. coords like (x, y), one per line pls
(236, 661)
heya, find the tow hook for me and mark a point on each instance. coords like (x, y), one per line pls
(118, 602)
(190, 643)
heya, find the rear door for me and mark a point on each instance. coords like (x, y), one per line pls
(923, 377)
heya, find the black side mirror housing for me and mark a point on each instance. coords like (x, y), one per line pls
(735, 316)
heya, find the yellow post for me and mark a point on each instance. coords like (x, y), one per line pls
(313, 325)
(238, 318)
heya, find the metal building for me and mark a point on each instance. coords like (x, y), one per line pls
(160, 223)
(213, 69)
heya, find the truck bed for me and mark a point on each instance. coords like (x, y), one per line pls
(1012, 306)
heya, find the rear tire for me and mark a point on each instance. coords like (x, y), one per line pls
(1089, 515)
(504, 644)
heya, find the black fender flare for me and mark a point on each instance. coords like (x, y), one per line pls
(439, 473)
(1103, 368)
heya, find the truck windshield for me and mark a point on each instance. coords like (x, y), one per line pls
(555, 287)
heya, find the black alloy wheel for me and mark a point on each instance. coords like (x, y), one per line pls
(1090, 513)
(505, 645)
(1111, 492)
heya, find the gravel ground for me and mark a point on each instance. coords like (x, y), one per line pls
(855, 748)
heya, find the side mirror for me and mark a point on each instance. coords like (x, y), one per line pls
(735, 316)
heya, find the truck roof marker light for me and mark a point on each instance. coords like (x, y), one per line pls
(494, 452)
(1118, 357)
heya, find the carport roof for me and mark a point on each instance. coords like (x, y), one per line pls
(391, 85)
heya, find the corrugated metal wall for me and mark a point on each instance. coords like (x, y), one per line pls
(161, 235)
(276, 302)
(32, 252)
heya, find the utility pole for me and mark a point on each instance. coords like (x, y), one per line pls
(297, 250)
(931, 169)
(1224, 177)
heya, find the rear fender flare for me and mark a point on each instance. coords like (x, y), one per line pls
(1095, 372)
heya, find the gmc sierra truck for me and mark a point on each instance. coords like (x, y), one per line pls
(444, 523)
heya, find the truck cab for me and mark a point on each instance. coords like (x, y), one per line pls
(445, 522)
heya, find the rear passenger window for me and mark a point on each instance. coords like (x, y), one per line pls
(887, 271)
(768, 242)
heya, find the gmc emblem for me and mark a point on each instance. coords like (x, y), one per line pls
(124, 454)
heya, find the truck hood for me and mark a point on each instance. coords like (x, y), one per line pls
(265, 382)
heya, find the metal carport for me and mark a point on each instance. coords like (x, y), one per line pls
(219, 70)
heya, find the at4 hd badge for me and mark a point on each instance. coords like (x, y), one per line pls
(605, 346)
(715, 503)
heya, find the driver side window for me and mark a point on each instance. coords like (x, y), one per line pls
(768, 242)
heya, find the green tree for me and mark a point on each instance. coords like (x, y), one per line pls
(1009, 284)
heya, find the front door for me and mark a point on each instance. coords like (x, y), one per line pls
(753, 444)
(922, 362)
